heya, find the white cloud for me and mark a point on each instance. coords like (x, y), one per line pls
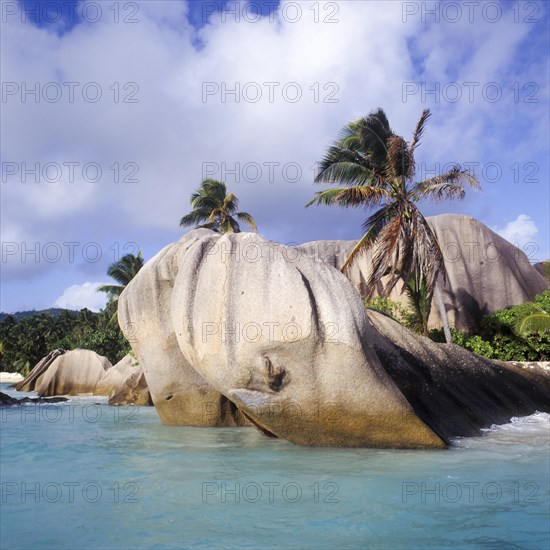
(520, 231)
(172, 130)
(82, 296)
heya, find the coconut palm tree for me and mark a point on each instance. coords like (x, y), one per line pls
(376, 168)
(217, 208)
(122, 272)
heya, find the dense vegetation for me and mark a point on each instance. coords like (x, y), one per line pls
(497, 337)
(23, 342)
(24, 339)
(53, 311)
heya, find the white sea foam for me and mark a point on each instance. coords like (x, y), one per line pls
(537, 422)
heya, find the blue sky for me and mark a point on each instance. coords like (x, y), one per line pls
(113, 112)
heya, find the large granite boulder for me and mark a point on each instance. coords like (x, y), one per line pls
(288, 342)
(66, 373)
(454, 391)
(285, 341)
(125, 384)
(544, 269)
(180, 394)
(485, 272)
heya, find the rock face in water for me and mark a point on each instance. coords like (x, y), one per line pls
(485, 272)
(289, 343)
(247, 327)
(125, 384)
(180, 394)
(454, 391)
(66, 373)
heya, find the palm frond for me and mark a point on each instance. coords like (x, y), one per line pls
(247, 218)
(419, 130)
(449, 185)
(420, 296)
(347, 167)
(210, 225)
(230, 203)
(405, 247)
(361, 195)
(373, 226)
(115, 290)
(195, 217)
(400, 162)
(536, 322)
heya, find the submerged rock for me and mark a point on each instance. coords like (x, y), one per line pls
(8, 400)
(288, 342)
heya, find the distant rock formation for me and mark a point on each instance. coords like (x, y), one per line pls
(485, 272)
(83, 371)
(125, 384)
(66, 373)
(248, 328)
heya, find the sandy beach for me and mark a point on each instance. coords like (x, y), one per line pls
(10, 377)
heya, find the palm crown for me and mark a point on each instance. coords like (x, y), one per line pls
(376, 168)
(122, 272)
(217, 208)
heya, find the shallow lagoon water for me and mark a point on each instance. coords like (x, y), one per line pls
(83, 474)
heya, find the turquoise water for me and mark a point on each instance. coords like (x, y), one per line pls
(87, 475)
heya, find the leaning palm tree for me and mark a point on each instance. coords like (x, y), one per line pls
(217, 208)
(122, 272)
(376, 168)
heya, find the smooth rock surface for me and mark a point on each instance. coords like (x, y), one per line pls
(66, 373)
(273, 337)
(125, 384)
(454, 391)
(180, 394)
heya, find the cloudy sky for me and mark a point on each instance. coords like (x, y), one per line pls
(113, 112)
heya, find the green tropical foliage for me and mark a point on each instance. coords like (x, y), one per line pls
(534, 322)
(498, 338)
(375, 169)
(420, 300)
(388, 307)
(122, 272)
(214, 208)
(24, 342)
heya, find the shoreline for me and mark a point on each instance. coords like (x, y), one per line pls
(6, 377)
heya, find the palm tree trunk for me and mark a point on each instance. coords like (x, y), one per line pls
(442, 313)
